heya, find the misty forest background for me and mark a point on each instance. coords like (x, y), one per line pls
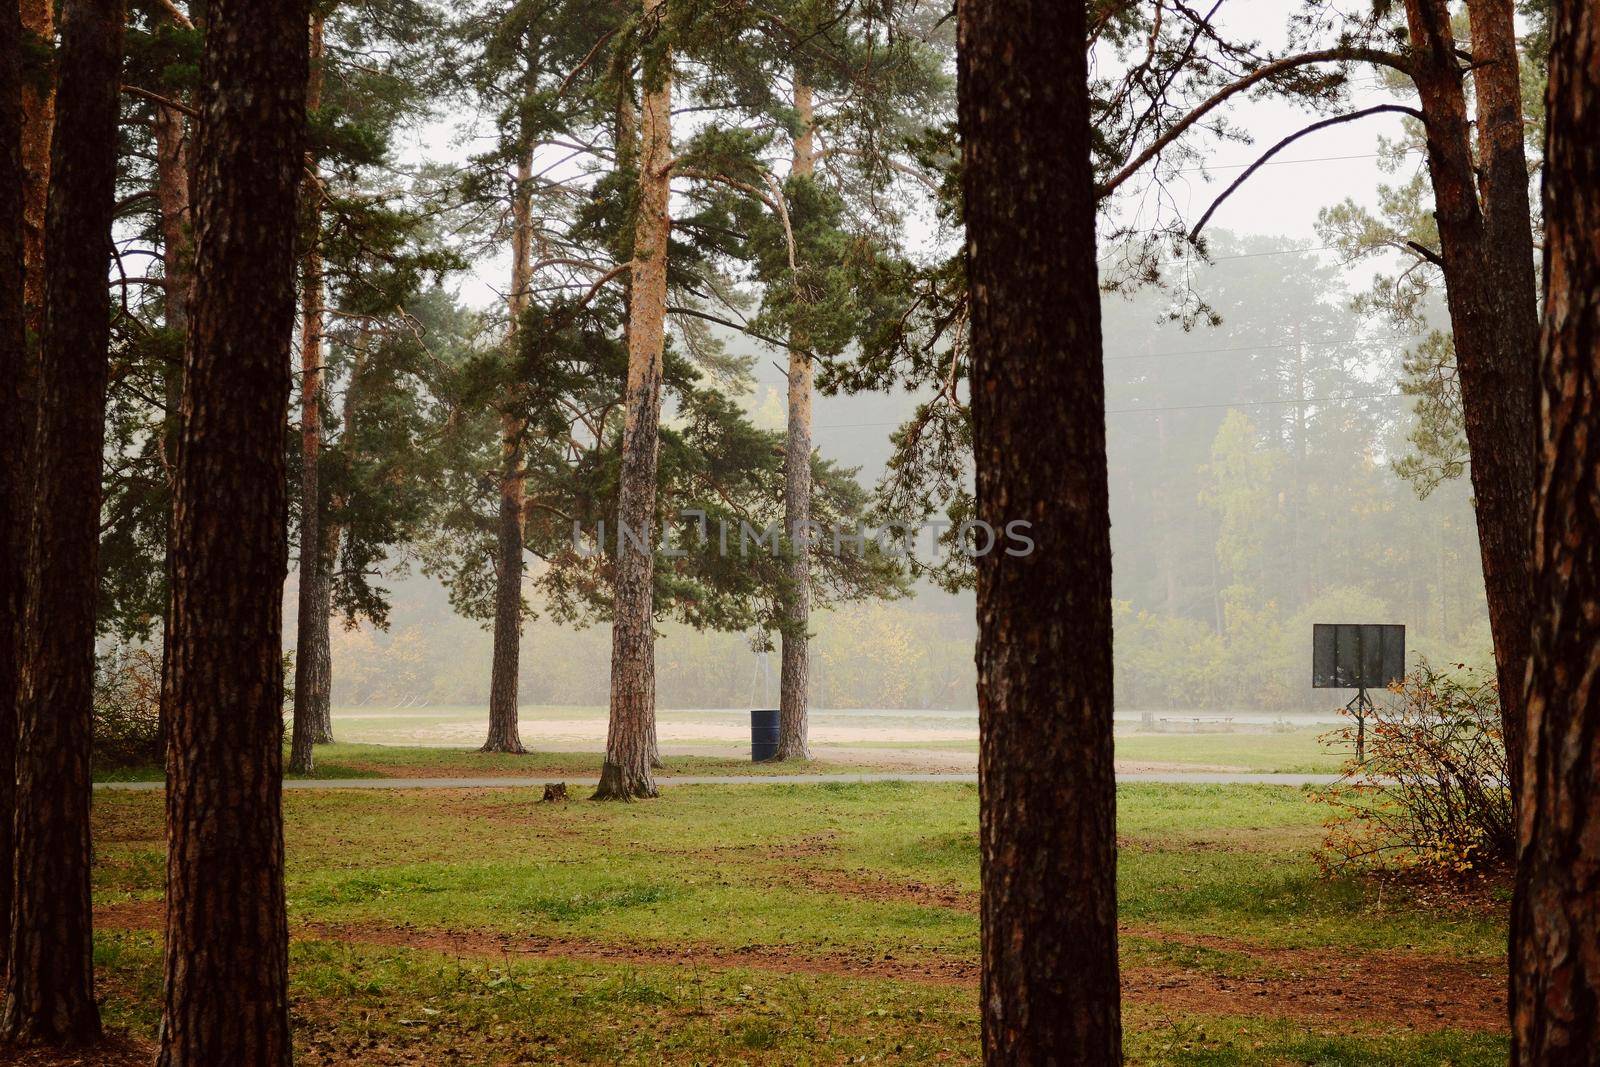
(1283, 437)
(1238, 520)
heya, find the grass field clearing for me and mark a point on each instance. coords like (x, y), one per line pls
(727, 923)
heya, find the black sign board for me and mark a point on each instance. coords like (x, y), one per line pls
(1357, 655)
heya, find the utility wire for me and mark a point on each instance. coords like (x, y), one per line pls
(1258, 403)
(1287, 162)
(1175, 407)
(1254, 348)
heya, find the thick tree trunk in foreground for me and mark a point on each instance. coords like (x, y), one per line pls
(50, 987)
(38, 122)
(16, 413)
(631, 734)
(1047, 795)
(1555, 936)
(312, 665)
(794, 690)
(1487, 251)
(505, 669)
(225, 996)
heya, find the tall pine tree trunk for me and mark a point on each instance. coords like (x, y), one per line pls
(794, 696)
(1487, 253)
(503, 731)
(16, 413)
(332, 531)
(49, 990)
(38, 122)
(631, 733)
(225, 994)
(320, 726)
(177, 270)
(1047, 795)
(312, 664)
(1555, 934)
(172, 194)
(504, 734)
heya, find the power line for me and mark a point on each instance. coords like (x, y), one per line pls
(1255, 348)
(1287, 162)
(1174, 407)
(1279, 252)
(1241, 255)
(1258, 403)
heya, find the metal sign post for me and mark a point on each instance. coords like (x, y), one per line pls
(1359, 706)
(1357, 656)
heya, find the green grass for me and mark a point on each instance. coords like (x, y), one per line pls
(360, 1005)
(881, 871)
(1298, 750)
(1293, 751)
(341, 761)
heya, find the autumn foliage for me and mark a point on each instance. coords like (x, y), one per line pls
(1432, 791)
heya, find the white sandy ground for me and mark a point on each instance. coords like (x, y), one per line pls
(911, 741)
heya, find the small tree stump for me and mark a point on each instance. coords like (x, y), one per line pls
(554, 791)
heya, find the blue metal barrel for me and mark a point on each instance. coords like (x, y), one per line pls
(763, 734)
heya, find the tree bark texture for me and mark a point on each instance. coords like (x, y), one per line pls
(1486, 246)
(49, 990)
(320, 727)
(38, 122)
(503, 732)
(794, 695)
(332, 531)
(172, 192)
(312, 661)
(1047, 795)
(177, 269)
(631, 733)
(16, 413)
(225, 994)
(504, 671)
(1555, 935)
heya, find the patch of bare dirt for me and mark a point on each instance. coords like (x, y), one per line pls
(131, 915)
(128, 823)
(818, 844)
(114, 1050)
(872, 885)
(1392, 988)
(1417, 990)
(775, 958)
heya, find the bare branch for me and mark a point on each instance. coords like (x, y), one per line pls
(1285, 143)
(1426, 253)
(1255, 77)
(159, 100)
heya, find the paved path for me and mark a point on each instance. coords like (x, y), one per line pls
(1175, 777)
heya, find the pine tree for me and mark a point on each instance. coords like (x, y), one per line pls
(1047, 795)
(1555, 935)
(527, 64)
(49, 989)
(15, 409)
(38, 122)
(631, 732)
(225, 997)
(367, 251)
